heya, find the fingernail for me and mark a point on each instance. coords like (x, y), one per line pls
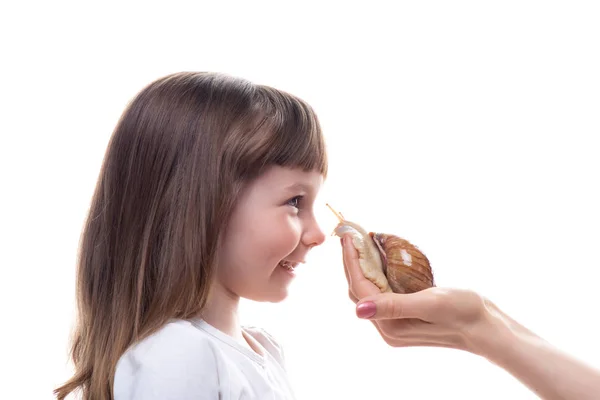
(366, 309)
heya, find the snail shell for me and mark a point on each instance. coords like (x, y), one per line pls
(406, 268)
(392, 263)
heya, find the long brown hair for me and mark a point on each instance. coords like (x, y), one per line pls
(179, 156)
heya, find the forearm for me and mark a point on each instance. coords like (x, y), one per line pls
(547, 371)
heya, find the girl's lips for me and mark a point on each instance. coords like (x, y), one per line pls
(288, 265)
(291, 263)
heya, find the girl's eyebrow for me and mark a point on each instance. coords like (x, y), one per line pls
(298, 187)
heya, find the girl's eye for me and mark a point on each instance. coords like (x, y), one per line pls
(294, 201)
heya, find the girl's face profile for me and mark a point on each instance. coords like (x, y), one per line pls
(272, 223)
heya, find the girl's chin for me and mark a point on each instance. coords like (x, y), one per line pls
(277, 292)
(270, 297)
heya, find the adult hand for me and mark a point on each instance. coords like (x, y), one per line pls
(439, 317)
(462, 319)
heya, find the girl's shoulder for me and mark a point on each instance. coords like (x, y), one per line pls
(178, 342)
(177, 335)
(161, 364)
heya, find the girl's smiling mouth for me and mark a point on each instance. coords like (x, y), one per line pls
(289, 265)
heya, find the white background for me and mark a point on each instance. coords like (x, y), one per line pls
(468, 127)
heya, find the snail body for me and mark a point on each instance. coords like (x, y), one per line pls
(369, 258)
(392, 263)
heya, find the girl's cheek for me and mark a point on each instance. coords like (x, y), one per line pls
(292, 232)
(296, 227)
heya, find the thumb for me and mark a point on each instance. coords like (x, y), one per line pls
(392, 306)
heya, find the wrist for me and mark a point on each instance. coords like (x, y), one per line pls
(494, 335)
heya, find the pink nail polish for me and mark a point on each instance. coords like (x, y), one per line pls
(366, 309)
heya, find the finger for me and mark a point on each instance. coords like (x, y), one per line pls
(395, 306)
(424, 343)
(401, 330)
(414, 338)
(404, 330)
(360, 286)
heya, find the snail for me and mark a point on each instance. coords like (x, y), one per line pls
(392, 263)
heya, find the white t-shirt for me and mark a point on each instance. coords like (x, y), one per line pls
(193, 360)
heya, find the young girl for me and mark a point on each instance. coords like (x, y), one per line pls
(205, 196)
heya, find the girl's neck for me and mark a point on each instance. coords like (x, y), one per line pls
(221, 312)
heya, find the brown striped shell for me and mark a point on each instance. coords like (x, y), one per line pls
(392, 263)
(406, 268)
